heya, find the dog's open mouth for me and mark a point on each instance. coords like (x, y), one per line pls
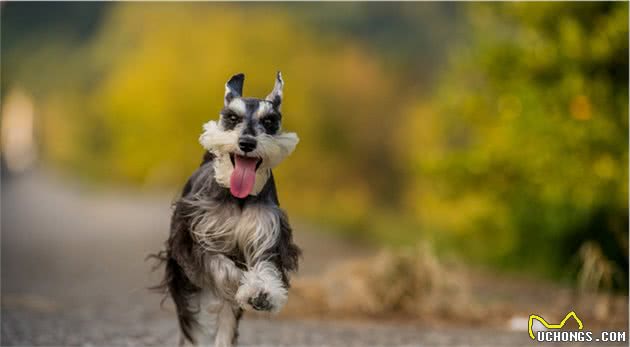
(244, 175)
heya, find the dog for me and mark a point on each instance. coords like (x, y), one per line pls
(231, 247)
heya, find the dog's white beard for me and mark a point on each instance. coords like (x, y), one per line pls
(271, 149)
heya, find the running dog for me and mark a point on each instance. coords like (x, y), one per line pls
(230, 246)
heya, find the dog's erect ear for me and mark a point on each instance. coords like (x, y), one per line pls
(276, 94)
(234, 87)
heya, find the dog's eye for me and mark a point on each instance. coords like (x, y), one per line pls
(232, 117)
(270, 124)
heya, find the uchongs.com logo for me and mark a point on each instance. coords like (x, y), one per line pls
(546, 332)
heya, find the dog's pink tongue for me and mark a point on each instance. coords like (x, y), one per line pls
(243, 176)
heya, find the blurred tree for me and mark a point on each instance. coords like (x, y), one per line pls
(155, 73)
(525, 145)
(59, 27)
(412, 37)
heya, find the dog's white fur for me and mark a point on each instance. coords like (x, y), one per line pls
(272, 149)
(263, 108)
(213, 227)
(237, 105)
(256, 232)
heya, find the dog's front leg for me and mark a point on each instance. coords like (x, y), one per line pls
(217, 315)
(211, 271)
(223, 274)
(262, 287)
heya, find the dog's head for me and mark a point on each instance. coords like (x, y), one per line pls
(248, 140)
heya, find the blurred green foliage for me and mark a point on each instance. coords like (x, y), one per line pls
(498, 131)
(525, 142)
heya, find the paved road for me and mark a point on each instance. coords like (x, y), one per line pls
(73, 274)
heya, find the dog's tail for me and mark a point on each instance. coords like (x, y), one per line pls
(181, 291)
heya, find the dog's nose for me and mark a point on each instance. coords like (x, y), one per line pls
(247, 144)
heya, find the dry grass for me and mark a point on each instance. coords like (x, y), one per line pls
(597, 273)
(596, 276)
(411, 284)
(416, 285)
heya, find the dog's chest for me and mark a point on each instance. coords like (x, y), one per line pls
(228, 228)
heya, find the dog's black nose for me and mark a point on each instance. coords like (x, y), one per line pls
(247, 144)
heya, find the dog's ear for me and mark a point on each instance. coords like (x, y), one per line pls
(276, 94)
(234, 87)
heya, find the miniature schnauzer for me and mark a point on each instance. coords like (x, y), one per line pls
(231, 247)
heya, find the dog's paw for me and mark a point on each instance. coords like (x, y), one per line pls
(261, 302)
(261, 299)
(262, 289)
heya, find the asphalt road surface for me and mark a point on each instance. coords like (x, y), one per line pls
(73, 274)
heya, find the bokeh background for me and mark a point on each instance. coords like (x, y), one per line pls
(485, 139)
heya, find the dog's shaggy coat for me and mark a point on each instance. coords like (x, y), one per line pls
(227, 254)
